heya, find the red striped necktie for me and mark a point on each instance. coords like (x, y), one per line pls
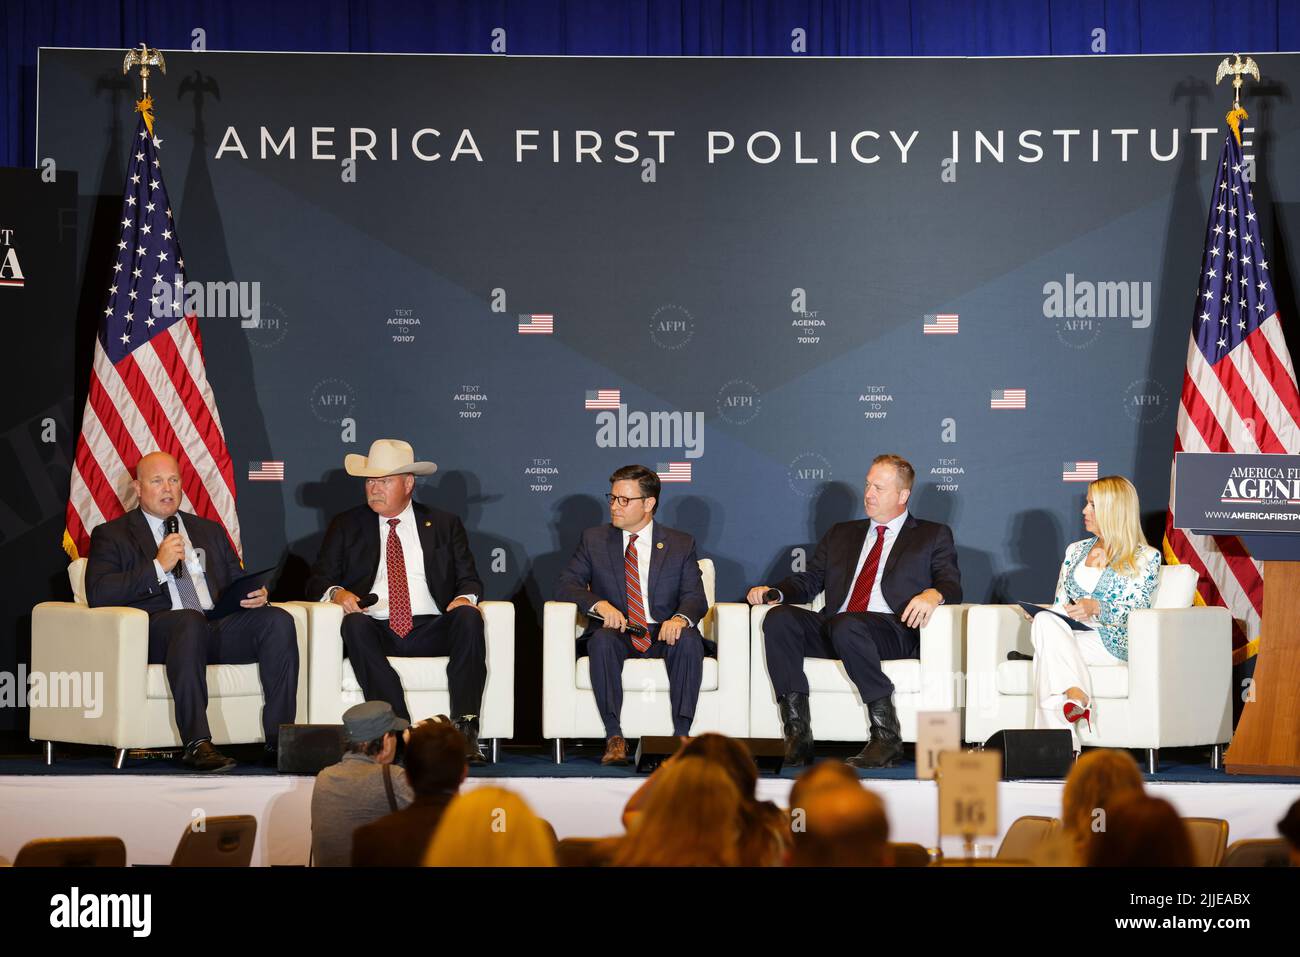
(861, 596)
(635, 608)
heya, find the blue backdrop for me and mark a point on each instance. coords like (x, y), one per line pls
(629, 28)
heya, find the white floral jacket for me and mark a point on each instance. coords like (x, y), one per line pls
(1117, 594)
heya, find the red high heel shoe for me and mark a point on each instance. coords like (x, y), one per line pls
(1076, 712)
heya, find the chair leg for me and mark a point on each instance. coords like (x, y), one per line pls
(1216, 757)
(1153, 760)
(496, 750)
(49, 753)
(559, 750)
(119, 759)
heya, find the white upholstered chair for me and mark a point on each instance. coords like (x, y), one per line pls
(931, 682)
(569, 705)
(71, 641)
(1174, 691)
(334, 688)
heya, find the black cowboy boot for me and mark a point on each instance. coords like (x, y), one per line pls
(886, 744)
(796, 726)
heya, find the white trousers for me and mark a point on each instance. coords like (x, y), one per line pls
(1061, 660)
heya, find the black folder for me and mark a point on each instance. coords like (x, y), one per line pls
(1035, 609)
(238, 590)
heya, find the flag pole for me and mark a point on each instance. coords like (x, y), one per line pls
(145, 58)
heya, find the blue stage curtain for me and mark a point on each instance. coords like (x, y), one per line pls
(629, 28)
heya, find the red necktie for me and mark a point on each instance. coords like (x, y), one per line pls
(861, 596)
(635, 610)
(399, 596)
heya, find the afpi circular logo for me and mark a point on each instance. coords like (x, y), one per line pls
(333, 400)
(739, 401)
(808, 473)
(671, 326)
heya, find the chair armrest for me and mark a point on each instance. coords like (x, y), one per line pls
(324, 660)
(1180, 674)
(301, 637)
(108, 648)
(559, 653)
(943, 659)
(991, 632)
(499, 692)
(732, 635)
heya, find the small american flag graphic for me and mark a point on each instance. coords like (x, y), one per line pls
(940, 324)
(1079, 472)
(603, 399)
(266, 471)
(1007, 399)
(537, 324)
(674, 471)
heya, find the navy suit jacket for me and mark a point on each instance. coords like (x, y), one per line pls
(120, 570)
(923, 556)
(350, 554)
(597, 573)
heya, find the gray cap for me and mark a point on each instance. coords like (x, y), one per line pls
(371, 720)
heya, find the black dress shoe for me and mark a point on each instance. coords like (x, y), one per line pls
(202, 756)
(886, 744)
(468, 726)
(796, 726)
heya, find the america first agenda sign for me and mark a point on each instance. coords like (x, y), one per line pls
(730, 270)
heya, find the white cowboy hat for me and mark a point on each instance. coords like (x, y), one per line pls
(387, 457)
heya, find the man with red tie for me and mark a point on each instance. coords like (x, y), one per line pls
(417, 564)
(883, 579)
(639, 584)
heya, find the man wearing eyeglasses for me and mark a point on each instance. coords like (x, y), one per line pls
(639, 584)
(415, 563)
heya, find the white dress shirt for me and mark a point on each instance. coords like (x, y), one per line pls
(877, 602)
(417, 584)
(193, 564)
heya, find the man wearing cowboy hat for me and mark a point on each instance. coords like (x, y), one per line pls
(416, 563)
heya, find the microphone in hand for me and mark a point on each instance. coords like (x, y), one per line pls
(771, 595)
(172, 525)
(367, 601)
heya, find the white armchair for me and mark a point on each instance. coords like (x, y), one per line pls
(334, 686)
(929, 683)
(1175, 690)
(88, 649)
(569, 705)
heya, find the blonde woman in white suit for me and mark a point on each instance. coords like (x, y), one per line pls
(1103, 578)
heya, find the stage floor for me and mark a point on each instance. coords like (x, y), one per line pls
(149, 803)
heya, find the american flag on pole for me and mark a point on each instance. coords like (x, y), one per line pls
(266, 471)
(148, 386)
(1239, 388)
(539, 324)
(940, 324)
(674, 471)
(603, 399)
(1007, 399)
(1079, 472)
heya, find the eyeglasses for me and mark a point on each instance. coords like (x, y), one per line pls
(385, 480)
(624, 500)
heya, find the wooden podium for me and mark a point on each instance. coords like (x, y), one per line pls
(1267, 739)
(1208, 488)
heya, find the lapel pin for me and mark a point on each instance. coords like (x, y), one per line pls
(427, 524)
(659, 544)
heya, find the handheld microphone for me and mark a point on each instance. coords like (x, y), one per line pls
(771, 595)
(634, 629)
(171, 526)
(368, 600)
